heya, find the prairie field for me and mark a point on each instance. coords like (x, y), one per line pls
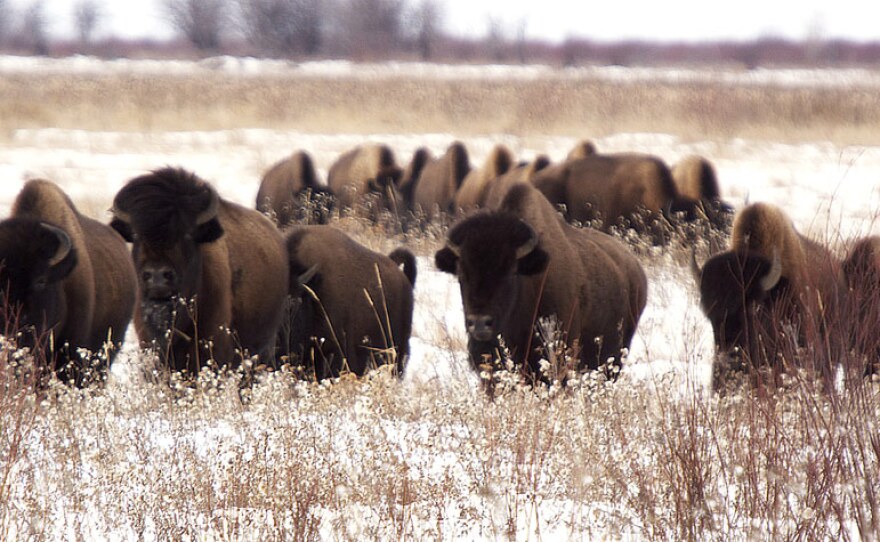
(653, 456)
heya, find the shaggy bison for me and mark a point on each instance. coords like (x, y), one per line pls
(475, 185)
(355, 305)
(630, 189)
(368, 169)
(695, 179)
(862, 270)
(439, 179)
(773, 286)
(67, 279)
(521, 263)
(212, 274)
(290, 191)
(522, 173)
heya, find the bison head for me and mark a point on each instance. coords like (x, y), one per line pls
(35, 257)
(739, 292)
(490, 253)
(166, 216)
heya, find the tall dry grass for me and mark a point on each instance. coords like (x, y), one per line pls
(583, 106)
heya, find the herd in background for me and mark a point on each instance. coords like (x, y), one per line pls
(209, 283)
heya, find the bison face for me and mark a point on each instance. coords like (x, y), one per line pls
(490, 253)
(35, 257)
(738, 293)
(167, 216)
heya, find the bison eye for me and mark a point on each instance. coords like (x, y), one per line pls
(40, 283)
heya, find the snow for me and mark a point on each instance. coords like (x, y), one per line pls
(830, 191)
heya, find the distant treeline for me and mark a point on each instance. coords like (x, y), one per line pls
(386, 29)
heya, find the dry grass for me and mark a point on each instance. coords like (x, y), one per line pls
(378, 458)
(574, 106)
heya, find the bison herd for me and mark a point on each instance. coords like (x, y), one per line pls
(543, 277)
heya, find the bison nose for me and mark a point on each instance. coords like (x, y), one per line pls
(160, 281)
(480, 326)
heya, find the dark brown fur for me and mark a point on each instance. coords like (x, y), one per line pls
(750, 318)
(475, 186)
(97, 297)
(614, 189)
(862, 270)
(287, 185)
(696, 179)
(440, 179)
(523, 173)
(368, 168)
(363, 329)
(592, 284)
(232, 265)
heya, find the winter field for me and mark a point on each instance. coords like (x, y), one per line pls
(654, 456)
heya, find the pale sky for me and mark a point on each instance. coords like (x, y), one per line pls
(555, 20)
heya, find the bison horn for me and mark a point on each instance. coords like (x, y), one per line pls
(64, 244)
(696, 272)
(307, 275)
(454, 248)
(771, 279)
(120, 214)
(210, 211)
(526, 248)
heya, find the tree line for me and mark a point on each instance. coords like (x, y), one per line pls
(385, 29)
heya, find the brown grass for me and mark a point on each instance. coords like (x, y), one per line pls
(579, 106)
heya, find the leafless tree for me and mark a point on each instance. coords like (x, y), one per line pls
(34, 34)
(5, 17)
(282, 27)
(86, 15)
(427, 21)
(368, 27)
(202, 22)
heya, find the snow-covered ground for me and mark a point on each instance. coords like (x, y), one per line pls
(827, 190)
(832, 193)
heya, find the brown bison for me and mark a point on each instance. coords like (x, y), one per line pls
(212, 274)
(475, 186)
(862, 270)
(290, 191)
(368, 169)
(521, 263)
(66, 278)
(695, 178)
(772, 280)
(522, 173)
(582, 149)
(629, 189)
(439, 179)
(355, 305)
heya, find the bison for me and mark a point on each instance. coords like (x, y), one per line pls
(290, 191)
(608, 190)
(439, 181)
(474, 187)
(861, 267)
(695, 178)
(521, 263)
(355, 305)
(771, 288)
(66, 278)
(368, 169)
(582, 149)
(522, 173)
(212, 274)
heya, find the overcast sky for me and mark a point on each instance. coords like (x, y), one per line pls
(669, 20)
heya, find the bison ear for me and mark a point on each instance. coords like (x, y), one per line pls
(446, 260)
(123, 228)
(533, 263)
(209, 231)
